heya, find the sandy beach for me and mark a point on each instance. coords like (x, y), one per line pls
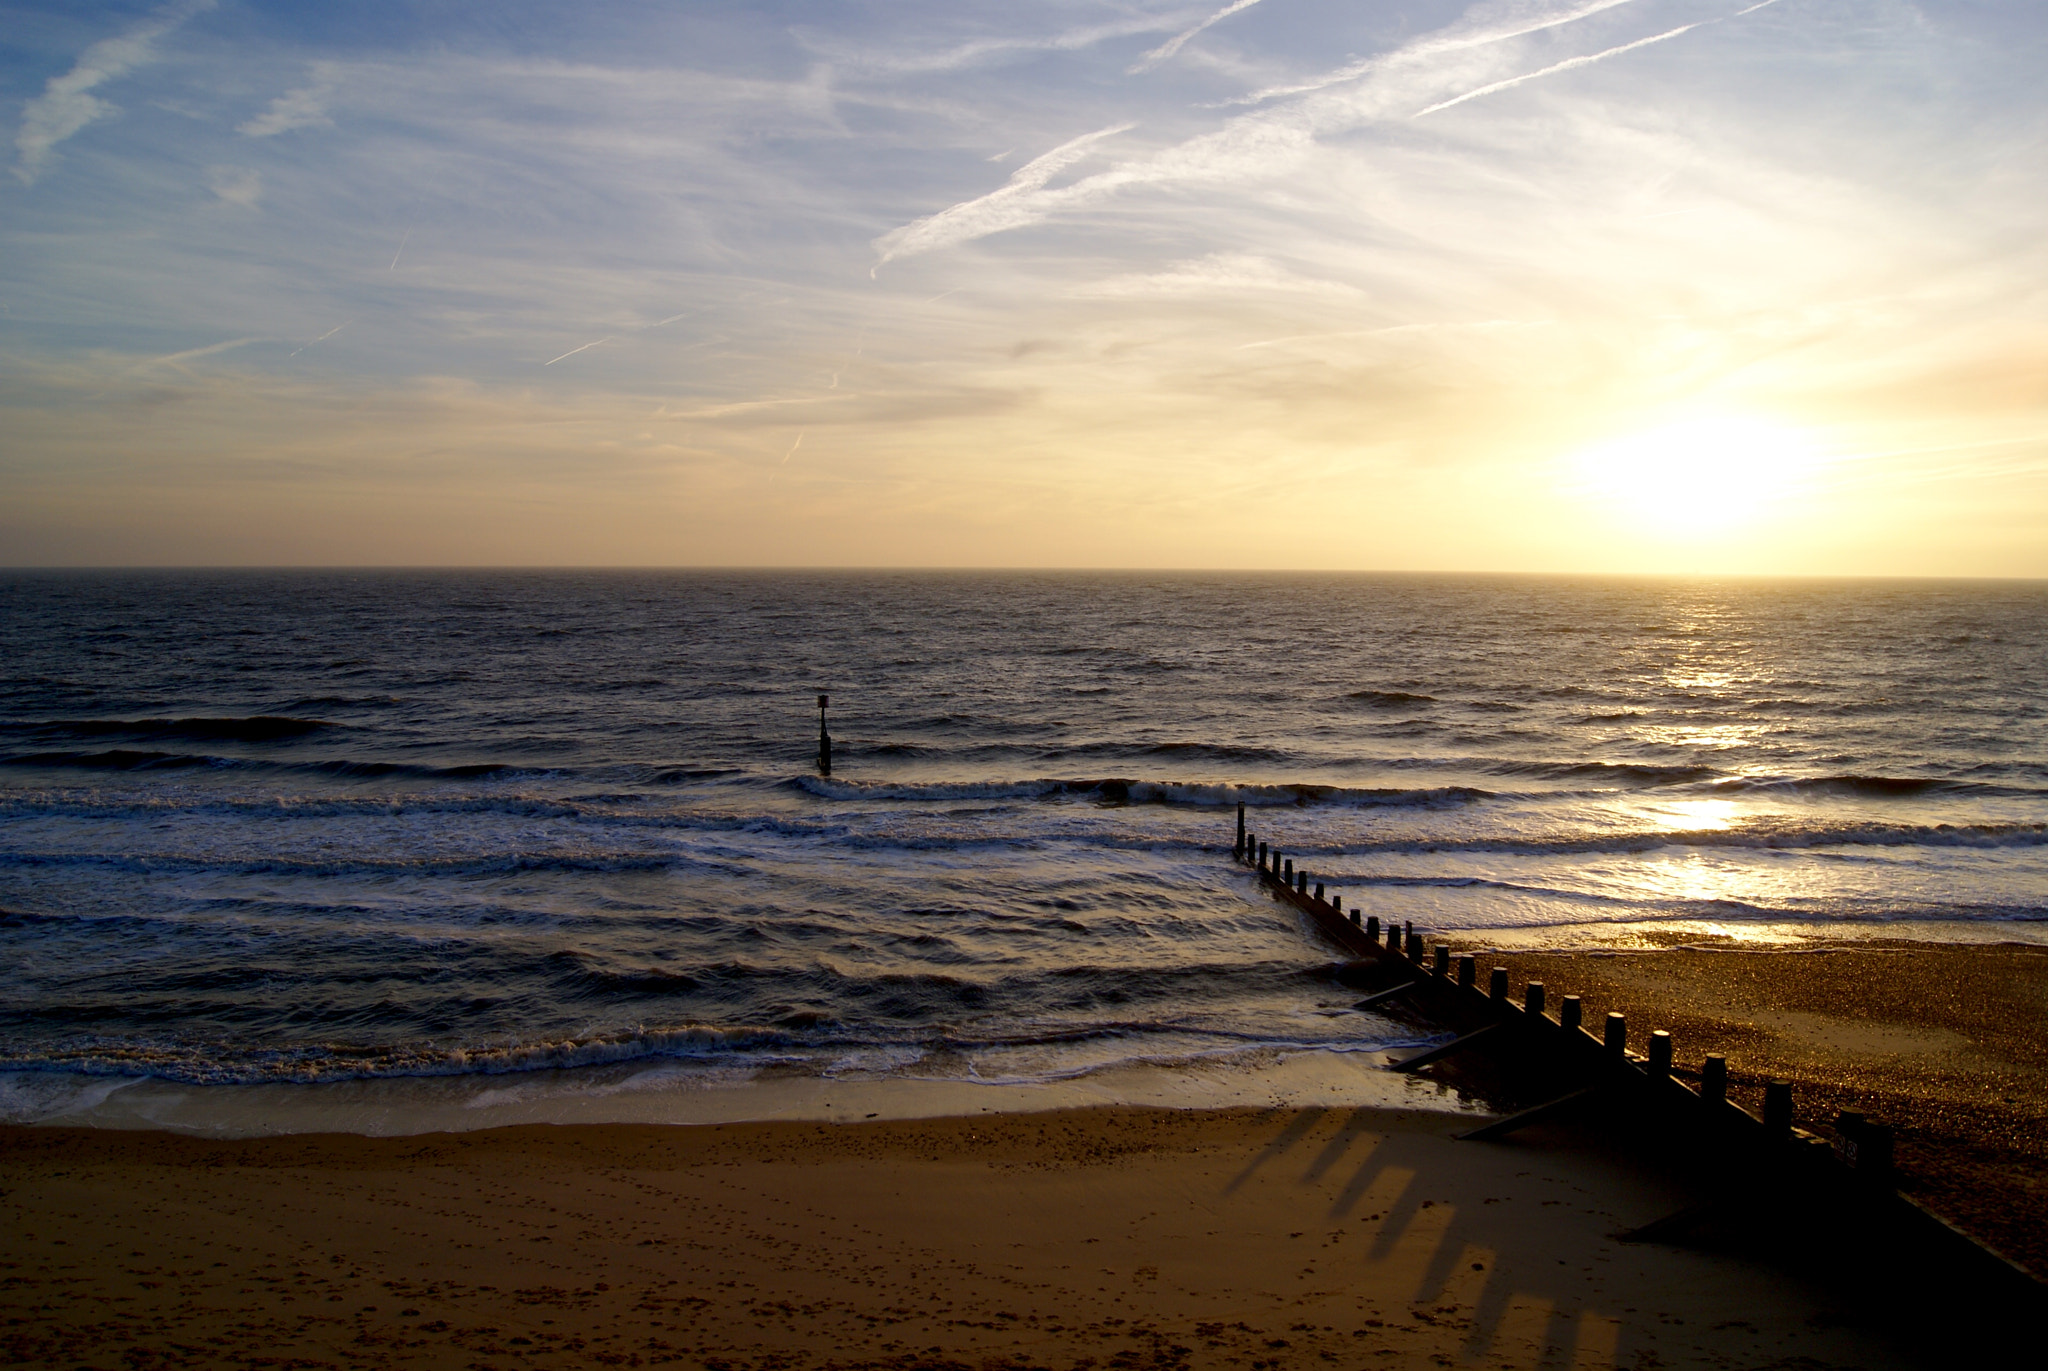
(1115, 1237)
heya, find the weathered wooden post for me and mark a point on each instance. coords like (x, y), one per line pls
(1532, 999)
(1239, 849)
(1262, 856)
(1443, 960)
(1414, 945)
(824, 739)
(1568, 1010)
(1319, 890)
(1468, 971)
(1288, 879)
(1617, 1034)
(1714, 1080)
(1497, 985)
(1871, 1150)
(1372, 927)
(1778, 1108)
(1660, 1054)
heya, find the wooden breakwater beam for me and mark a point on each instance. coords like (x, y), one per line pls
(1764, 1166)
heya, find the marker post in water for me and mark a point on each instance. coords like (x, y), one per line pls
(824, 739)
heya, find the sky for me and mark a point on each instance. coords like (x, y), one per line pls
(1698, 286)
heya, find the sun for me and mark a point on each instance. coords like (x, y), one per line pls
(1698, 476)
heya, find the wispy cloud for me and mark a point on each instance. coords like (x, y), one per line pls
(67, 103)
(1261, 143)
(1165, 51)
(1221, 273)
(237, 185)
(1009, 207)
(171, 359)
(303, 108)
(1484, 26)
(983, 50)
(1574, 63)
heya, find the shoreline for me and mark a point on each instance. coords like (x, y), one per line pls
(1126, 1236)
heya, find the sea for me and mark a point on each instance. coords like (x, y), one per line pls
(390, 851)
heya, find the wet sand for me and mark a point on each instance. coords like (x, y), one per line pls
(1948, 1044)
(1089, 1238)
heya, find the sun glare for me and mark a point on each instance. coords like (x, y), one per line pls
(1698, 477)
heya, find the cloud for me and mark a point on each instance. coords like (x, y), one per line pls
(237, 185)
(303, 108)
(1008, 207)
(1221, 273)
(1482, 26)
(1165, 51)
(67, 103)
(1573, 63)
(1258, 144)
(983, 50)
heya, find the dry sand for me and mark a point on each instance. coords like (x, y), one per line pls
(1948, 1044)
(1089, 1238)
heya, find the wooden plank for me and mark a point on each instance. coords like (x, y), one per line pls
(1374, 998)
(1500, 1128)
(1437, 1054)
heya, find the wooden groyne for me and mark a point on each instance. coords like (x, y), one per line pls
(1762, 1165)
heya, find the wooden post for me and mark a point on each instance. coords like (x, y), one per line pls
(1532, 999)
(1240, 826)
(1372, 927)
(1319, 890)
(1414, 944)
(1288, 879)
(1443, 960)
(1468, 971)
(1262, 856)
(1778, 1108)
(1714, 1080)
(1497, 985)
(1568, 1011)
(1337, 905)
(1873, 1153)
(824, 739)
(1617, 1034)
(1660, 1054)
(1354, 919)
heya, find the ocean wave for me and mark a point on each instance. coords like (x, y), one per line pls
(1390, 699)
(132, 759)
(1117, 790)
(1760, 836)
(259, 728)
(1875, 787)
(216, 1062)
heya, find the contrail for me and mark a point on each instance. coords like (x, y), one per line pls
(1001, 208)
(321, 339)
(792, 450)
(206, 351)
(1569, 64)
(401, 249)
(573, 351)
(1447, 40)
(1181, 39)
